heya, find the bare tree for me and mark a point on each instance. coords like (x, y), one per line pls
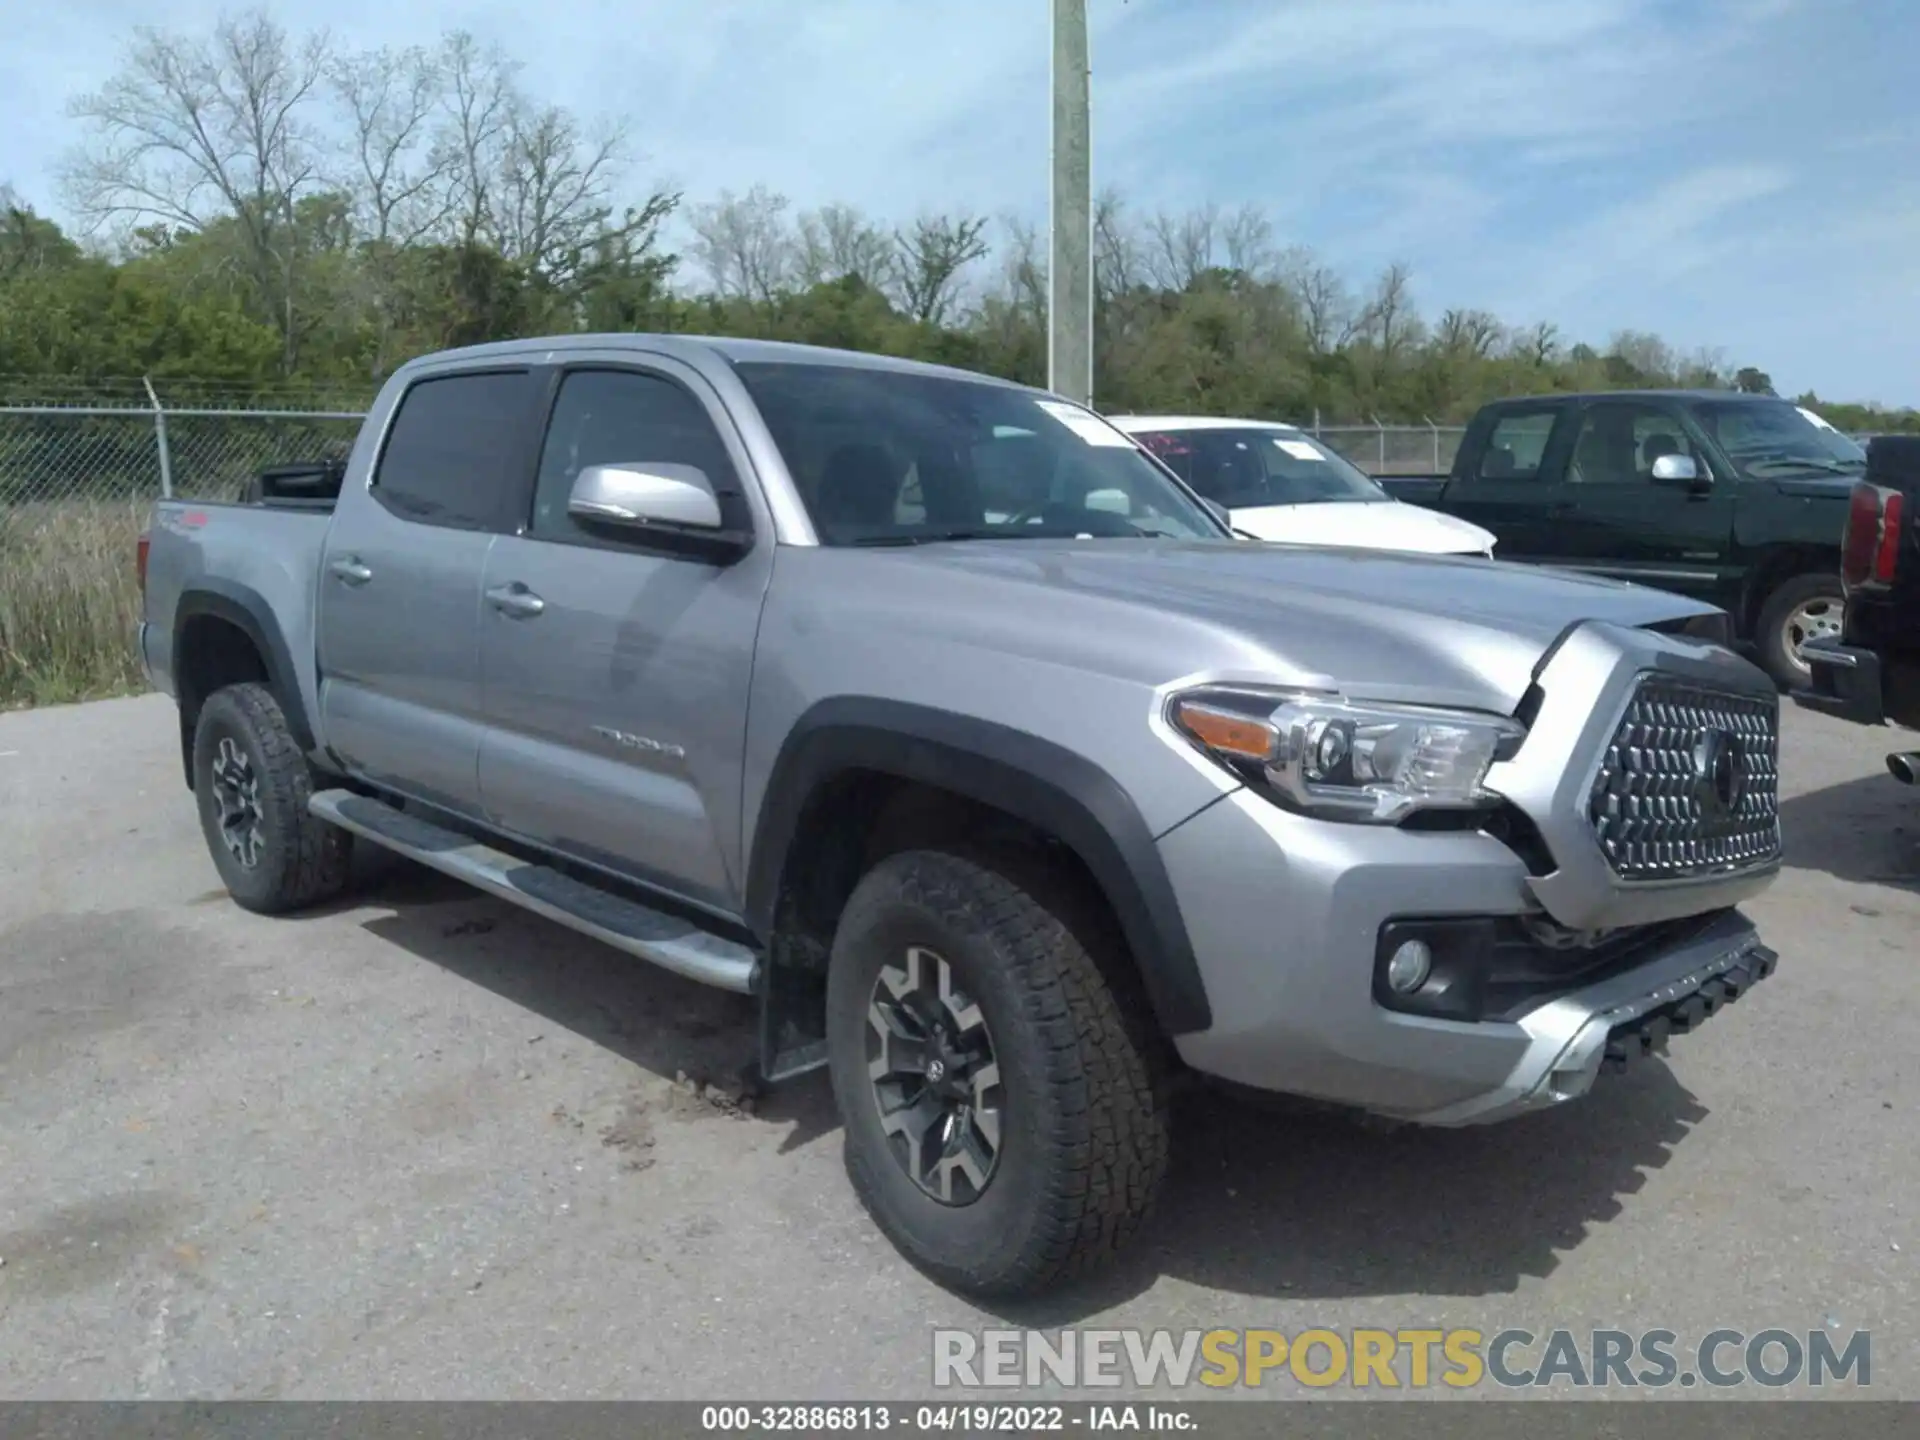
(1117, 264)
(1468, 332)
(837, 241)
(1180, 248)
(1023, 268)
(1389, 320)
(930, 259)
(554, 192)
(1326, 306)
(1247, 237)
(743, 244)
(1540, 344)
(472, 146)
(189, 134)
(391, 99)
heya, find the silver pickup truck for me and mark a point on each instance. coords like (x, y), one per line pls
(940, 718)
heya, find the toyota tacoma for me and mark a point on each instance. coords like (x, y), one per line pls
(935, 715)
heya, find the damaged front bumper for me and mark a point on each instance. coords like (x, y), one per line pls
(1620, 1020)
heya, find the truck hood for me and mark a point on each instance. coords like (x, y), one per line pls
(1375, 624)
(1819, 487)
(1367, 525)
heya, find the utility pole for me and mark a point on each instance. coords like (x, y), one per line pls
(1070, 266)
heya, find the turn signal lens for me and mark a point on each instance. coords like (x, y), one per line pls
(1224, 731)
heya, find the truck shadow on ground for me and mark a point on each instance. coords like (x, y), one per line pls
(1277, 1201)
(665, 1025)
(1296, 1204)
(1865, 831)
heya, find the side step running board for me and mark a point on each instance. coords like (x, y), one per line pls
(667, 941)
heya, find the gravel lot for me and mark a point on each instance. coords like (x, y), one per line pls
(424, 1145)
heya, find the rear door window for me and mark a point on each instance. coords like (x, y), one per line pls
(1517, 445)
(457, 451)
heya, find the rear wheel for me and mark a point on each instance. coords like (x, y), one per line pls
(1003, 1122)
(252, 784)
(1806, 607)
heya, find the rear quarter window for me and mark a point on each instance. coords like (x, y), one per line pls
(456, 452)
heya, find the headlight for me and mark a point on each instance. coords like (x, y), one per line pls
(1325, 755)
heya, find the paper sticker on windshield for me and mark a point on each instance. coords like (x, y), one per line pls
(1815, 418)
(1088, 426)
(1299, 449)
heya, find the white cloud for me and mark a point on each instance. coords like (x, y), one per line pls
(1653, 239)
(1600, 163)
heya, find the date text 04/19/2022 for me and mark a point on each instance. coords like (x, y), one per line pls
(944, 1418)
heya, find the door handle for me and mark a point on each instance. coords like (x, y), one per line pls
(516, 601)
(349, 570)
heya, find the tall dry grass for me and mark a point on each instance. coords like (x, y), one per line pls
(69, 601)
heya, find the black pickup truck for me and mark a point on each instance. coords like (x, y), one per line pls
(1738, 500)
(1870, 672)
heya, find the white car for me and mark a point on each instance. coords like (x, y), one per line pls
(1279, 483)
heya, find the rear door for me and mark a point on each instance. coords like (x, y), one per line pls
(399, 584)
(1515, 486)
(616, 668)
(1620, 524)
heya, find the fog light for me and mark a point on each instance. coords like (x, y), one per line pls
(1407, 971)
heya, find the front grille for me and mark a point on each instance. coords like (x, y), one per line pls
(1659, 805)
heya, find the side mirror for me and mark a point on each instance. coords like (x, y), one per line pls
(641, 494)
(1681, 471)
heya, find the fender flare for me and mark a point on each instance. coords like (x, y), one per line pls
(1044, 784)
(247, 610)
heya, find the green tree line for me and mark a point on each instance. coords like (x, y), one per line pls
(256, 208)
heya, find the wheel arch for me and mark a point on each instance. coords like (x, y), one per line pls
(225, 633)
(1775, 567)
(1033, 781)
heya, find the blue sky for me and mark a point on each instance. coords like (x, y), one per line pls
(1732, 173)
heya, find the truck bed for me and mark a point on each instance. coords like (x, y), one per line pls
(1414, 489)
(266, 557)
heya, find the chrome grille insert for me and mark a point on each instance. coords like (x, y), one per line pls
(1689, 784)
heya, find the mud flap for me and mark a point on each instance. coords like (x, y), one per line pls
(793, 1011)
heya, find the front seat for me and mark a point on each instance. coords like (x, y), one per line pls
(859, 492)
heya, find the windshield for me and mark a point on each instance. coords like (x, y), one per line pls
(891, 457)
(1246, 468)
(1766, 438)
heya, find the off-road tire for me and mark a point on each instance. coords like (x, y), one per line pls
(302, 860)
(1084, 1138)
(1772, 644)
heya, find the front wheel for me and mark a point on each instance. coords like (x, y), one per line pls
(252, 784)
(1805, 608)
(1004, 1126)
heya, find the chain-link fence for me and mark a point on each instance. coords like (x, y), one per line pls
(65, 453)
(1394, 449)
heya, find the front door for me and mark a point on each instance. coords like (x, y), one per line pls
(616, 669)
(1622, 524)
(399, 588)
